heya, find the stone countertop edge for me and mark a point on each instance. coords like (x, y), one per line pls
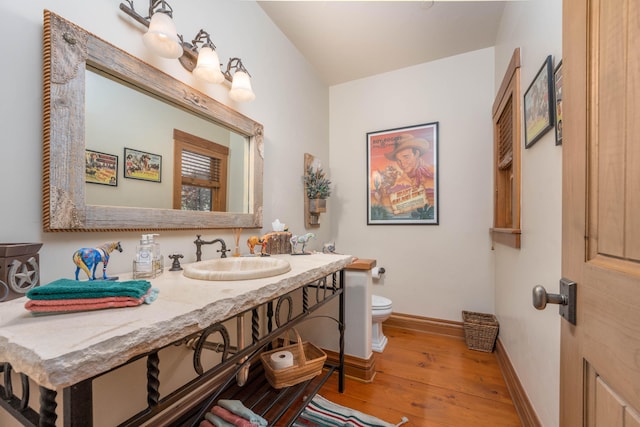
(60, 350)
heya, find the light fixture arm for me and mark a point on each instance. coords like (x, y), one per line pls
(164, 7)
(204, 38)
(130, 10)
(236, 65)
(153, 8)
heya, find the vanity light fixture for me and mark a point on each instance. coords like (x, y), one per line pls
(162, 36)
(208, 65)
(241, 81)
(163, 39)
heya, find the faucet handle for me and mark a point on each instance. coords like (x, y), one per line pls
(224, 252)
(176, 262)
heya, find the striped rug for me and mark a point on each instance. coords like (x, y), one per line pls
(322, 413)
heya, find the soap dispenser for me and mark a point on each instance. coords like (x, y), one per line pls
(158, 259)
(143, 264)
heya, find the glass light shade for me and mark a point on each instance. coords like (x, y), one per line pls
(162, 38)
(208, 67)
(241, 87)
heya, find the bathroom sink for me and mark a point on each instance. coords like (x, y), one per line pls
(241, 268)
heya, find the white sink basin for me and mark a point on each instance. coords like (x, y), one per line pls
(237, 268)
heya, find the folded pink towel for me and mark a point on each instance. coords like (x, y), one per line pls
(81, 304)
(205, 423)
(231, 417)
(75, 301)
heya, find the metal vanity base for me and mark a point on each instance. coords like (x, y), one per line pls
(187, 404)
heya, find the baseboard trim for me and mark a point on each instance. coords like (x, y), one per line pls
(526, 413)
(425, 324)
(354, 367)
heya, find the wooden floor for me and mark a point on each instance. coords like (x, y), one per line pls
(433, 380)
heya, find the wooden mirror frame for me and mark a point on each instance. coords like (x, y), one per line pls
(68, 51)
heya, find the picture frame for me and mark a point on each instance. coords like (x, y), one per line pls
(538, 105)
(557, 96)
(402, 176)
(142, 165)
(101, 168)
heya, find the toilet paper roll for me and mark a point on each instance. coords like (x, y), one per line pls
(376, 272)
(281, 359)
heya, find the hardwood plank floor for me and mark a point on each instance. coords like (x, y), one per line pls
(433, 380)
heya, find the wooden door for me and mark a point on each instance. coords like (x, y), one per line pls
(600, 355)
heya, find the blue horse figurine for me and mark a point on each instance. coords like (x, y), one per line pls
(88, 259)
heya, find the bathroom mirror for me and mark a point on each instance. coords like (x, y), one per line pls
(69, 52)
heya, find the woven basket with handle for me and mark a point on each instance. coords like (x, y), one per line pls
(308, 361)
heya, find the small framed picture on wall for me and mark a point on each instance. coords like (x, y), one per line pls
(538, 105)
(142, 165)
(101, 168)
(557, 78)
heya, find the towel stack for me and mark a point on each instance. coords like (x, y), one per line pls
(66, 295)
(232, 413)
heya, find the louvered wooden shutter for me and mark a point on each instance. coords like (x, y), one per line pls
(504, 128)
(199, 166)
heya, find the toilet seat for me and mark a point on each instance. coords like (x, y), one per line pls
(380, 303)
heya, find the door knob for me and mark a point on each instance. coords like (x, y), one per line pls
(566, 299)
(541, 298)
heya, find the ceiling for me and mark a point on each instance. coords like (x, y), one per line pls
(348, 40)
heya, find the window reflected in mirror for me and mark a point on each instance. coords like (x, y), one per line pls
(202, 168)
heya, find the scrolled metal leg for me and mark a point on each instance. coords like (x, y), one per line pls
(8, 386)
(153, 379)
(48, 407)
(269, 317)
(24, 401)
(305, 299)
(255, 326)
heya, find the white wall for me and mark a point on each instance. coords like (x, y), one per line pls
(432, 271)
(292, 103)
(531, 337)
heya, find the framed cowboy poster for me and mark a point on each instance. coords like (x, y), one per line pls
(402, 175)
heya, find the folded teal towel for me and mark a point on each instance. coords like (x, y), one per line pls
(69, 289)
(217, 421)
(238, 408)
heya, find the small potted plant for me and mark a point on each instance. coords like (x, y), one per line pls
(317, 186)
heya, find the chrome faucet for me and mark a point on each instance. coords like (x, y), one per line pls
(199, 242)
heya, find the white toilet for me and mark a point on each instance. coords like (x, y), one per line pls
(380, 311)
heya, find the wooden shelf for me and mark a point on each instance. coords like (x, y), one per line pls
(507, 236)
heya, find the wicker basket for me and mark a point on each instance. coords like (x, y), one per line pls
(480, 330)
(308, 361)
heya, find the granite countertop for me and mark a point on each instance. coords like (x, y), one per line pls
(60, 350)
